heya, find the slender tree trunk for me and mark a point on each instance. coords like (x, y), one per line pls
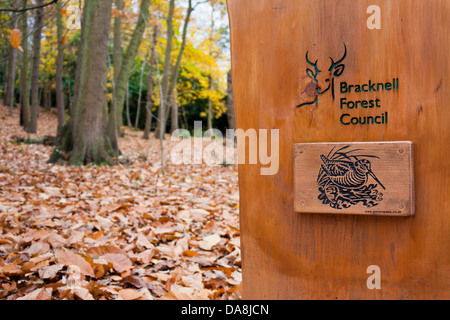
(125, 71)
(24, 87)
(9, 94)
(12, 80)
(174, 70)
(127, 103)
(151, 70)
(174, 105)
(230, 103)
(6, 82)
(210, 107)
(117, 56)
(138, 113)
(186, 123)
(59, 71)
(211, 39)
(148, 122)
(32, 128)
(161, 126)
(47, 96)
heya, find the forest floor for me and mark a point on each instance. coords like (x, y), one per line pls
(114, 232)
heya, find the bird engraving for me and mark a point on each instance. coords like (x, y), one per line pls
(344, 179)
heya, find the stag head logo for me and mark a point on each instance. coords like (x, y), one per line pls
(313, 90)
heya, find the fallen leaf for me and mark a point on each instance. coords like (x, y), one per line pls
(142, 241)
(189, 253)
(208, 242)
(69, 258)
(82, 293)
(130, 294)
(120, 262)
(55, 240)
(194, 281)
(38, 247)
(174, 295)
(102, 250)
(146, 256)
(50, 271)
(11, 270)
(38, 294)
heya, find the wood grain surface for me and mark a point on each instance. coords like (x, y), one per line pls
(287, 255)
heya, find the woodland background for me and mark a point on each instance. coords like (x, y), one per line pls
(91, 205)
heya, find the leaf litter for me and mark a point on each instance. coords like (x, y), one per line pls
(123, 232)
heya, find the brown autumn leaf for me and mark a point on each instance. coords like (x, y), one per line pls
(69, 258)
(50, 271)
(171, 295)
(137, 282)
(38, 294)
(119, 261)
(194, 281)
(55, 240)
(209, 242)
(82, 293)
(38, 248)
(189, 253)
(146, 256)
(142, 241)
(131, 294)
(11, 270)
(102, 250)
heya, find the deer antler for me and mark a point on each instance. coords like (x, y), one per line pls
(316, 69)
(337, 64)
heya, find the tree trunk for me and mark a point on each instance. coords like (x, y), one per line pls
(24, 87)
(124, 74)
(9, 98)
(173, 72)
(148, 121)
(230, 103)
(210, 80)
(84, 138)
(138, 113)
(117, 55)
(127, 103)
(6, 82)
(174, 105)
(151, 70)
(89, 136)
(210, 107)
(59, 71)
(47, 96)
(32, 128)
(161, 126)
(12, 74)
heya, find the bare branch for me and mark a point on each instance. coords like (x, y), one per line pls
(30, 8)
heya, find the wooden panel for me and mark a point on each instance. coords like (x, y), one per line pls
(287, 255)
(371, 178)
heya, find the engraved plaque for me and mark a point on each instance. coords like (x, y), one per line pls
(367, 178)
